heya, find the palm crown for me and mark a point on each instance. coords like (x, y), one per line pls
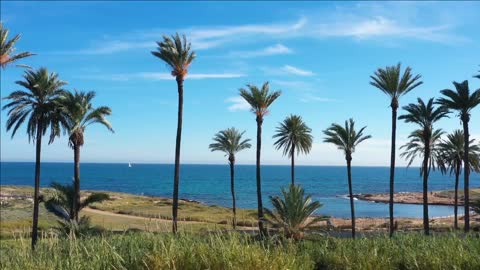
(177, 53)
(229, 141)
(293, 133)
(452, 149)
(423, 114)
(345, 138)
(460, 100)
(292, 211)
(259, 99)
(416, 148)
(79, 113)
(7, 48)
(390, 81)
(36, 104)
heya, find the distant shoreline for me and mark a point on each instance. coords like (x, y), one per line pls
(444, 197)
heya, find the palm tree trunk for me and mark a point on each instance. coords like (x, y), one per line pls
(176, 177)
(426, 226)
(350, 193)
(466, 172)
(455, 209)
(394, 106)
(37, 184)
(259, 187)
(232, 188)
(293, 164)
(76, 171)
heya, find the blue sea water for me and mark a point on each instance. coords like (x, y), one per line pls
(210, 184)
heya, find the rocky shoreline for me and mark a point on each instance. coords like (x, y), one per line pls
(434, 198)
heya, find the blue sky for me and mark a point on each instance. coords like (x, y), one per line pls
(319, 54)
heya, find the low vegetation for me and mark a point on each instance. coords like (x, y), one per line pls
(236, 251)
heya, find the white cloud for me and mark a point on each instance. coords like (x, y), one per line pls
(297, 71)
(309, 98)
(276, 49)
(158, 76)
(238, 104)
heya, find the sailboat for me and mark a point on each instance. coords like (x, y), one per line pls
(129, 165)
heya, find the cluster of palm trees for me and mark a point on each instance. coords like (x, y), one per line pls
(43, 105)
(293, 134)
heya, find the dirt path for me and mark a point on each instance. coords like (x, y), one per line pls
(107, 213)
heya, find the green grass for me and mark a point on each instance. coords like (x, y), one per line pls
(234, 251)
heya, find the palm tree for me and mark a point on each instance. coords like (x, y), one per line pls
(259, 99)
(462, 102)
(177, 53)
(293, 134)
(424, 115)
(394, 85)
(79, 113)
(230, 142)
(452, 155)
(61, 203)
(293, 211)
(7, 48)
(346, 139)
(36, 104)
(415, 147)
(63, 197)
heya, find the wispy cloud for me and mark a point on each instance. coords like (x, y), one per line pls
(297, 71)
(237, 104)
(287, 70)
(362, 22)
(307, 98)
(276, 49)
(158, 76)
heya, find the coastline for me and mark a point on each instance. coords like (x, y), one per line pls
(443, 197)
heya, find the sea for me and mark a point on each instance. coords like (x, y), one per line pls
(210, 184)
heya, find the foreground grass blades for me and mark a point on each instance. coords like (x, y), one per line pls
(235, 251)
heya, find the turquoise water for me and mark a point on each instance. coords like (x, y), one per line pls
(211, 183)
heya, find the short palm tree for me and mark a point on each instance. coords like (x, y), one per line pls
(346, 139)
(7, 48)
(260, 100)
(62, 197)
(293, 134)
(424, 115)
(392, 83)
(79, 113)
(230, 142)
(36, 104)
(461, 101)
(177, 53)
(452, 155)
(61, 202)
(293, 212)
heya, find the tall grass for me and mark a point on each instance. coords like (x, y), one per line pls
(235, 251)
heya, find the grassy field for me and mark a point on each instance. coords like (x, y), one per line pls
(123, 212)
(142, 250)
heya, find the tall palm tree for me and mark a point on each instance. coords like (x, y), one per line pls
(7, 48)
(392, 83)
(415, 147)
(346, 139)
(293, 211)
(78, 111)
(177, 53)
(36, 104)
(424, 115)
(293, 134)
(259, 99)
(461, 101)
(452, 155)
(230, 142)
